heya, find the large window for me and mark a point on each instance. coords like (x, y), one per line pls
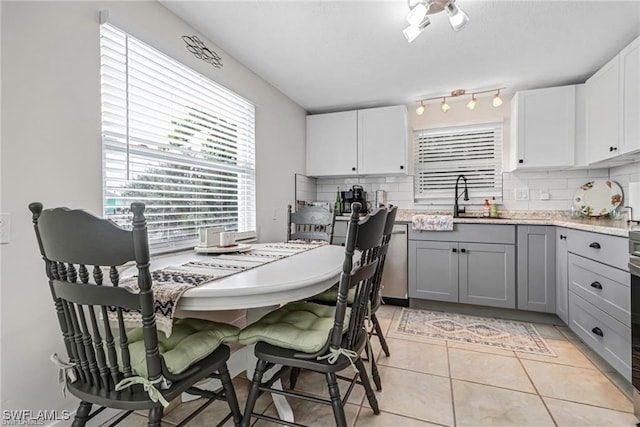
(174, 140)
(441, 155)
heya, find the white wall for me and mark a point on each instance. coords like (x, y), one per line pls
(51, 152)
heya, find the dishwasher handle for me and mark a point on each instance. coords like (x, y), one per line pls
(399, 232)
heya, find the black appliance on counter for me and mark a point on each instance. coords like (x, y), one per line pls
(356, 194)
(634, 269)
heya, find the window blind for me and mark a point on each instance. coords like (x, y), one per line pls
(174, 140)
(441, 155)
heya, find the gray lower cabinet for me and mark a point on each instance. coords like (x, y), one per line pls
(562, 275)
(433, 270)
(487, 274)
(537, 268)
(467, 270)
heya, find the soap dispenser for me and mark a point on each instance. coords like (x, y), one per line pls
(493, 209)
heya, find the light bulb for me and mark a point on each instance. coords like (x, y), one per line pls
(445, 107)
(420, 109)
(457, 18)
(472, 104)
(417, 14)
(413, 31)
(497, 101)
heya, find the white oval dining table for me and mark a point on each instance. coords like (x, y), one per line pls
(259, 290)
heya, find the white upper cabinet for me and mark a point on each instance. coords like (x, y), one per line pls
(543, 121)
(361, 142)
(630, 97)
(382, 140)
(613, 108)
(603, 112)
(332, 144)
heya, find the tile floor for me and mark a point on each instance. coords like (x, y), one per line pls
(437, 383)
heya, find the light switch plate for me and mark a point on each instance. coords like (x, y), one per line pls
(521, 194)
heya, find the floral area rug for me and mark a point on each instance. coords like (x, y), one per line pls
(498, 333)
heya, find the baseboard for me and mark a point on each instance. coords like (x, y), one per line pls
(400, 302)
(477, 310)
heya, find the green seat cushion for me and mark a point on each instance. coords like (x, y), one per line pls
(191, 340)
(302, 326)
(330, 296)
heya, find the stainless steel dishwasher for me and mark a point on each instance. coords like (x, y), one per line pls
(394, 276)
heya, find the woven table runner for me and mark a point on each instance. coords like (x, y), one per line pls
(170, 283)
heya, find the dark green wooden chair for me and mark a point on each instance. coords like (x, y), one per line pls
(318, 337)
(310, 223)
(109, 365)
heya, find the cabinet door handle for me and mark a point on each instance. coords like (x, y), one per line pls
(401, 167)
(521, 161)
(463, 250)
(596, 285)
(454, 250)
(595, 245)
(597, 331)
(563, 237)
(613, 148)
(353, 169)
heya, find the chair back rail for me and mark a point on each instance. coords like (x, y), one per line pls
(71, 241)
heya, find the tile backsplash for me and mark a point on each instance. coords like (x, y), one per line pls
(559, 186)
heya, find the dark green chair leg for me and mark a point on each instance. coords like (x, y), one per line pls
(82, 415)
(376, 375)
(155, 416)
(336, 402)
(371, 397)
(383, 341)
(293, 377)
(254, 391)
(230, 394)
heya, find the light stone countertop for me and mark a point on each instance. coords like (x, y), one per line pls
(613, 227)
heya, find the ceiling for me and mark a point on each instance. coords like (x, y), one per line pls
(338, 55)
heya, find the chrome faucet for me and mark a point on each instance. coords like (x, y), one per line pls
(456, 209)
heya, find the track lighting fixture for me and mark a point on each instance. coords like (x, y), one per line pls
(497, 101)
(444, 106)
(418, 19)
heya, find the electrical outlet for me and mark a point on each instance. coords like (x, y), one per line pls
(521, 194)
(544, 195)
(5, 228)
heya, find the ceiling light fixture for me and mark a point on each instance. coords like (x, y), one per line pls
(418, 19)
(497, 101)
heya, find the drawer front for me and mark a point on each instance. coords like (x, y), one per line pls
(606, 249)
(605, 335)
(605, 287)
(475, 233)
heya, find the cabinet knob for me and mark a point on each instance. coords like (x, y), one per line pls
(613, 148)
(463, 250)
(595, 245)
(401, 167)
(353, 169)
(454, 250)
(521, 161)
(597, 331)
(596, 285)
(563, 237)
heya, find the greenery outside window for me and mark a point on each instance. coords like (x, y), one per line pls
(175, 140)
